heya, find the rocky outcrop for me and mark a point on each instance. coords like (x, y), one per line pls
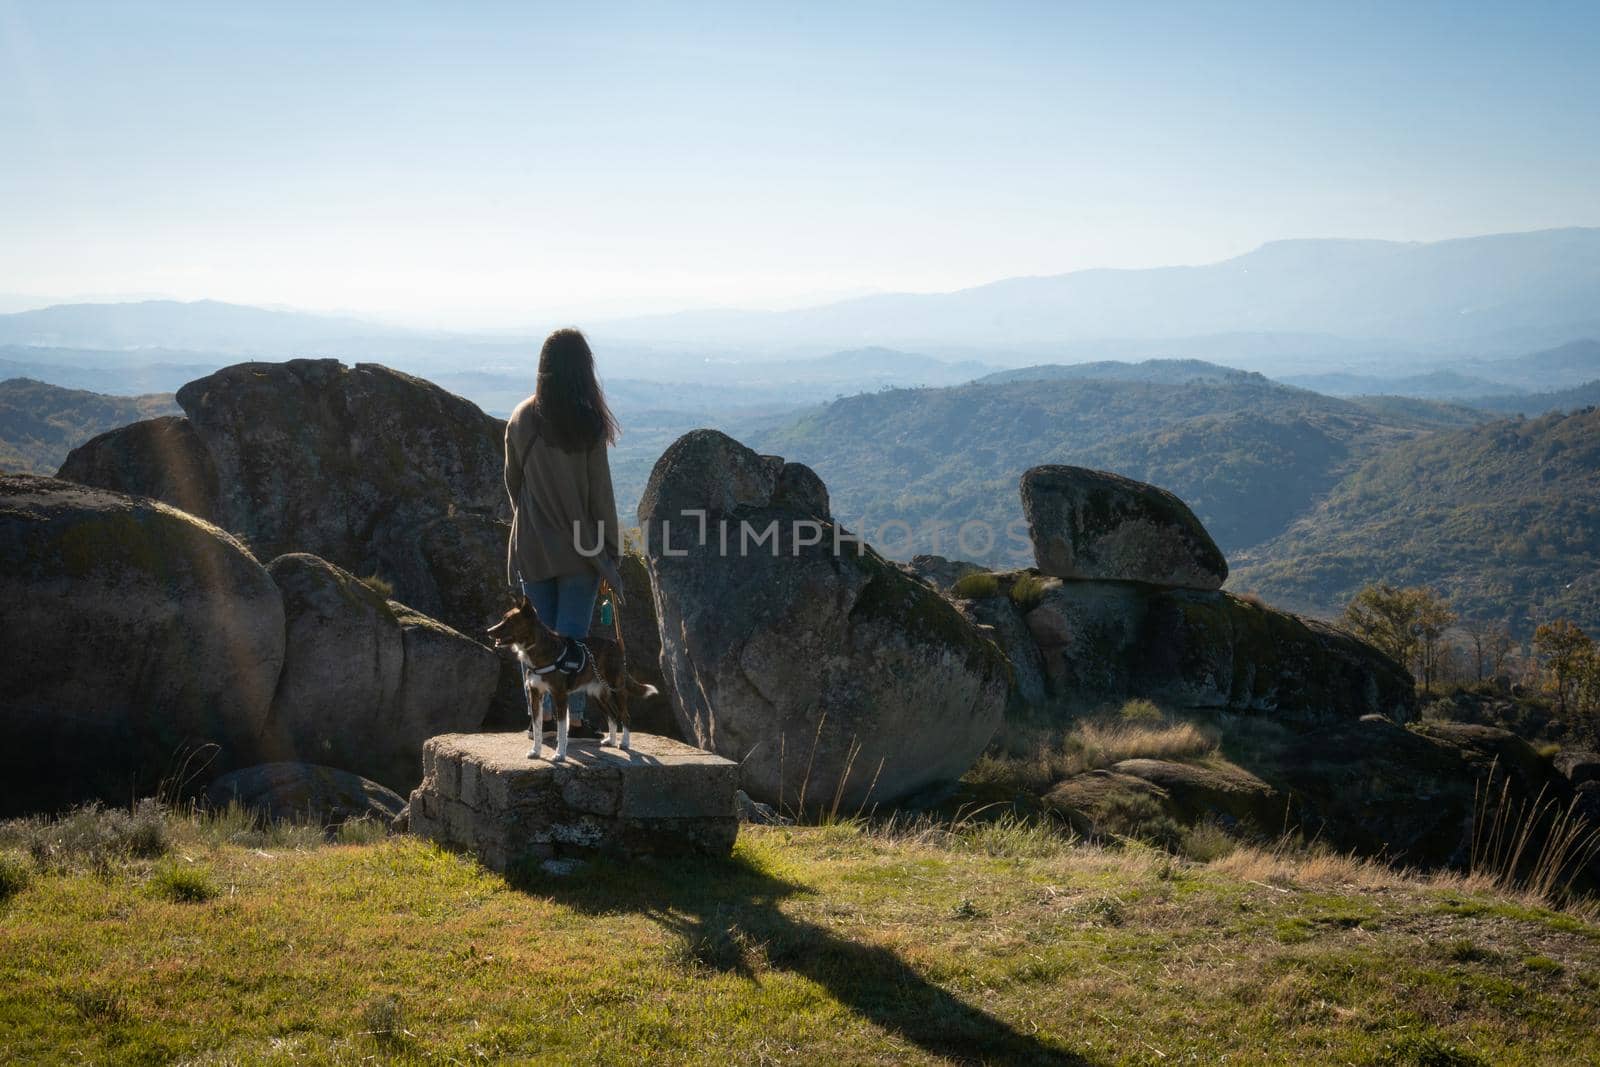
(1230, 795)
(825, 670)
(304, 793)
(369, 468)
(162, 458)
(1105, 641)
(1001, 621)
(131, 630)
(1113, 800)
(366, 680)
(374, 470)
(481, 792)
(1088, 524)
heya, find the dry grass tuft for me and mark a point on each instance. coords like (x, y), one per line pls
(1032, 761)
(1292, 865)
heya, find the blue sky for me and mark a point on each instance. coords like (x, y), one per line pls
(491, 164)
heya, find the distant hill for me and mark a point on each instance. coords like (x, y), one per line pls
(1553, 368)
(1495, 294)
(40, 424)
(1429, 414)
(207, 325)
(1504, 518)
(1246, 453)
(1171, 371)
(1580, 396)
(1435, 385)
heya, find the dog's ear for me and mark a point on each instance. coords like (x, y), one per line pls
(524, 604)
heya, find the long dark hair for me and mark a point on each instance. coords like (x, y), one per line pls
(573, 413)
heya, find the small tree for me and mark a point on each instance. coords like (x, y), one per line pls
(1566, 652)
(1408, 624)
(1490, 643)
(1433, 617)
(1589, 688)
(1381, 614)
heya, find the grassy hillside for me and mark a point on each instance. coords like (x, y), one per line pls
(40, 424)
(1247, 454)
(1504, 518)
(207, 942)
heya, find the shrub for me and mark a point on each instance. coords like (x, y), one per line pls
(1206, 842)
(1027, 592)
(363, 830)
(184, 884)
(239, 825)
(92, 836)
(1140, 817)
(379, 585)
(1139, 710)
(976, 586)
(14, 875)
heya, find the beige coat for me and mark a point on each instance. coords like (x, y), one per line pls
(559, 501)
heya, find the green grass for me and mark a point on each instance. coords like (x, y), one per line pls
(183, 884)
(1001, 942)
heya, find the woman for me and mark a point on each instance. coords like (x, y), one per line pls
(564, 534)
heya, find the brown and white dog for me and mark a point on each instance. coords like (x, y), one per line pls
(603, 677)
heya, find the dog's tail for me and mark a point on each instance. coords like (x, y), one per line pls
(637, 688)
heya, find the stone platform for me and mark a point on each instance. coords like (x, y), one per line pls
(481, 792)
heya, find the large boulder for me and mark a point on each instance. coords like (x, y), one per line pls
(791, 647)
(1578, 766)
(1224, 792)
(1106, 641)
(1096, 525)
(304, 793)
(374, 470)
(371, 469)
(131, 631)
(161, 457)
(367, 680)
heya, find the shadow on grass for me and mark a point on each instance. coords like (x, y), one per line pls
(726, 913)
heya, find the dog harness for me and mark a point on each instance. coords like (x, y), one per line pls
(563, 662)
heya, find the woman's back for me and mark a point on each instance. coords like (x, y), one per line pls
(564, 517)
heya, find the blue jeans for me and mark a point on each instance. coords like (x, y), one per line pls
(564, 604)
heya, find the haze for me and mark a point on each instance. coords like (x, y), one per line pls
(432, 166)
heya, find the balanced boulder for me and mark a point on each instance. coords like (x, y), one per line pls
(790, 646)
(1090, 524)
(132, 632)
(367, 680)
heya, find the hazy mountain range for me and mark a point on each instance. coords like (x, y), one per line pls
(1302, 306)
(1483, 295)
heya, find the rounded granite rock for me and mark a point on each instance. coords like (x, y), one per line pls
(132, 633)
(1089, 524)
